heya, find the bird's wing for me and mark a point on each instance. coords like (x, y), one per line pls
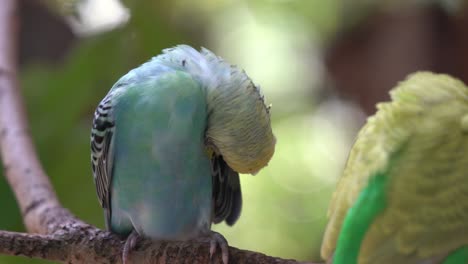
(102, 152)
(227, 196)
(426, 214)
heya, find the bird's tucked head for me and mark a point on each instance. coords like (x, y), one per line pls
(238, 121)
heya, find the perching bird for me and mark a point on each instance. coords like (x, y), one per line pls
(403, 196)
(168, 142)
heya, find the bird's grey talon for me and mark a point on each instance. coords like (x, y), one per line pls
(212, 247)
(218, 239)
(129, 245)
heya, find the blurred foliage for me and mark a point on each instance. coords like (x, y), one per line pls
(276, 42)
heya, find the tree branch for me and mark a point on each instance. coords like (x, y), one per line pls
(55, 234)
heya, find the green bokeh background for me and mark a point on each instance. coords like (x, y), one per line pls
(278, 43)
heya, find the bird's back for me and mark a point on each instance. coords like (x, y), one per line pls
(161, 178)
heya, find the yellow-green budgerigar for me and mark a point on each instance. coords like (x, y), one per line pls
(168, 142)
(403, 195)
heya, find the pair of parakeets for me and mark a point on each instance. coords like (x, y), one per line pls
(171, 136)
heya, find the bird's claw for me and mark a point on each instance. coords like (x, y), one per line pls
(218, 239)
(130, 244)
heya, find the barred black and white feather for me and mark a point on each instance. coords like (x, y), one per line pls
(102, 152)
(227, 195)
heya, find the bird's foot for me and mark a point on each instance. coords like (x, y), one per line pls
(130, 244)
(215, 240)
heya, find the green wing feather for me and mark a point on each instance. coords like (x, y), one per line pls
(423, 132)
(460, 256)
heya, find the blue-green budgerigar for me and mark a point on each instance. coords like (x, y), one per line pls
(168, 142)
(403, 195)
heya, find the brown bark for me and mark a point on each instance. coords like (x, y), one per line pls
(54, 233)
(79, 243)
